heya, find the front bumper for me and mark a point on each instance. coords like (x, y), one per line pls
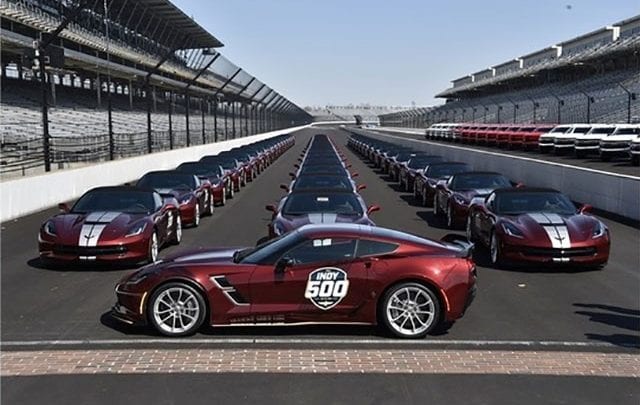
(132, 252)
(581, 254)
(129, 307)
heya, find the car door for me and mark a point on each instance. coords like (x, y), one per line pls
(319, 284)
(485, 218)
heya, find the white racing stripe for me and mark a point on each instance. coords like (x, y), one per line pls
(95, 224)
(556, 229)
(322, 218)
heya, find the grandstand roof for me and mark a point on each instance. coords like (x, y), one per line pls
(167, 15)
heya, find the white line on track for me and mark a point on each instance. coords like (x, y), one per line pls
(310, 341)
(379, 132)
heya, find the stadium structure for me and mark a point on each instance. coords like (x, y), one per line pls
(592, 78)
(96, 80)
(362, 112)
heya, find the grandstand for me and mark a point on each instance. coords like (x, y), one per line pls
(368, 113)
(81, 83)
(592, 78)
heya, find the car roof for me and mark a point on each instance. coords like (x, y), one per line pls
(478, 172)
(122, 188)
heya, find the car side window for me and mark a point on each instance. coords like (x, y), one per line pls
(323, 250)
(157, 201)
(374, 248)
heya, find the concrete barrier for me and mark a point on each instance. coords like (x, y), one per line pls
(31, 194)
(618, 194)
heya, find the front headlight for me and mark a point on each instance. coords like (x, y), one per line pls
(598, 230)
(136, 229)
(512, 230)
(49, 228)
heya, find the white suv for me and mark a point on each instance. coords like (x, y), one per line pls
(545, 142)
(564, 142)
(634, 151)
(589, 143)
(619, 142)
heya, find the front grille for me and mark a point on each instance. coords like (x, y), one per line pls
(558, 253)
(564, 141)
(587, 143)
(614, 145)
(89, 250)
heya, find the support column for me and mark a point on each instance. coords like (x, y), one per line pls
(204, 135)
(131, 94)
(233, 119)
(98, 83)
(186, 115)
(215, 120)
(170, 120)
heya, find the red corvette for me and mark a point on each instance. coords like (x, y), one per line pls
(111, 224)
(318, 274)
(538, 226)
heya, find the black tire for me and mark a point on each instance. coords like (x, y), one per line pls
(196, 216)
(605, 157)
(188, 305)
(580, 154)
(495, 257)
(451, 224)
(176, 238)
(153, 247)
(386, 314)
(210, 205)
(436, 206)
(635, 160)
(469, 230)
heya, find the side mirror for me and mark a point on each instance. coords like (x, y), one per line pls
(270, 207)
(282, 264)
(354, 174)
(297, 166)
(361, 187)
(293, 176)
(284, 187)
(63, 207)
(373, 208)
(586, 208)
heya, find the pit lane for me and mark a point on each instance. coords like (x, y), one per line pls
(535, 305)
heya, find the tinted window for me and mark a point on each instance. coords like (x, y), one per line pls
(374, 247)
(440, 171)
(269, 252)
(581, 130)
(134, 202)
(628, 131)
(604, 130)
(522, 202)
(323, 250)
(168, 180)
(323, 182)
(478, 181)
(560, 130)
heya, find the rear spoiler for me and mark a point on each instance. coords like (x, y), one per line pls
(464, 245)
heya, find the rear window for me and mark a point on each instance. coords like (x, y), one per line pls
(374, 247)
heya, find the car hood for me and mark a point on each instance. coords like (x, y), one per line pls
(470, 194)
(100, 227)
(295, 221)
(554, 230)
(209, 256)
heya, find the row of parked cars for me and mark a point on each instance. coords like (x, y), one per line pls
(608, 141)
(518, 224)
(131, 223)
(324, 261)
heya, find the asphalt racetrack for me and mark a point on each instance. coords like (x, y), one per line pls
(536, 308)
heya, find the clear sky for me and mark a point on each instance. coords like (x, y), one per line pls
(389, 52)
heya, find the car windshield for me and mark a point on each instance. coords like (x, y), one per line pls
(268, 249)
(581, 130)
(628, 131)
(198, 170)
(440, 171)
(421, 162)
(560, 130)
(174, 181)
(323, 182)
(517, 203)
(334, 203)
(329, 169)
(479, 181)
(129, 201)
(602, 130)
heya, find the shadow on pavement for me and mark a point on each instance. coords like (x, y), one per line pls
(622, 318)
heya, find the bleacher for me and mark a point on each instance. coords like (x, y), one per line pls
(594, 77)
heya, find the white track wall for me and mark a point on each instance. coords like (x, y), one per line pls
(615, 193)
(31, 194)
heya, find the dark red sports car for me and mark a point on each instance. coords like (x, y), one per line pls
(537, 225)
(111, 224)
(194, 198)
(318, 274)
(314, 206)
(453, 196)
